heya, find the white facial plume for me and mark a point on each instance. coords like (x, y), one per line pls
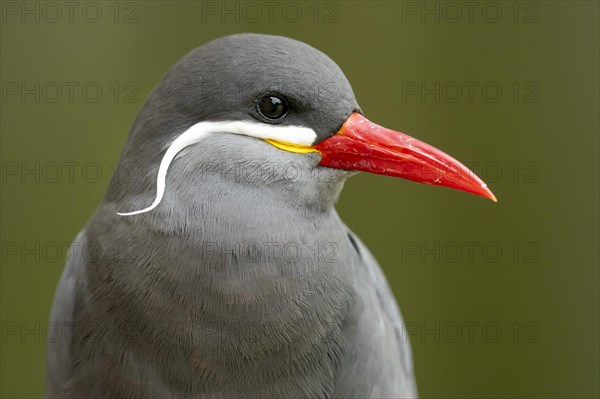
(297, 135)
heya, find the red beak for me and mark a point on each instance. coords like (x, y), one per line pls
(365, 146)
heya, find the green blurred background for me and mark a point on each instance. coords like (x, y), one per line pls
(501, 300)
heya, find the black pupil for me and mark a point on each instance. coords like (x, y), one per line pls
(272, 107)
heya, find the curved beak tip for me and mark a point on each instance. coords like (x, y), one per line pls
(489, 194)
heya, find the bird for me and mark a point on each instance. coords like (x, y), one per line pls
(216, 265)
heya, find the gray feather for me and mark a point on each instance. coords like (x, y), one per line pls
(69, 297)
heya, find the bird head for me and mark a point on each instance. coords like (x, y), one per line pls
(271, 100)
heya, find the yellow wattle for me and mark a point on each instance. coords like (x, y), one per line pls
(291, 147)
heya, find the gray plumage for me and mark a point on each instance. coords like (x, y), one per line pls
(243, 282)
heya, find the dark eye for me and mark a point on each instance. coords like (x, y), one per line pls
(272, 107)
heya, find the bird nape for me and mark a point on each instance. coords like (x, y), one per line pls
(221, 268)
